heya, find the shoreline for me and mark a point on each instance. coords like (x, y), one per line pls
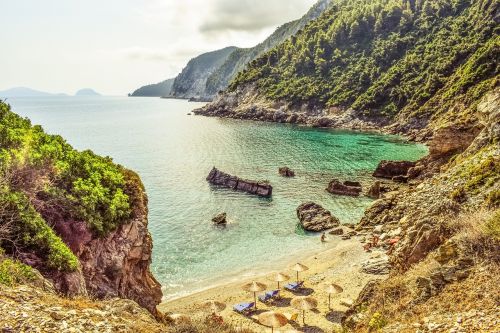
(340, 263)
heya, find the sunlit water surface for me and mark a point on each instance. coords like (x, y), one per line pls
(173, 153)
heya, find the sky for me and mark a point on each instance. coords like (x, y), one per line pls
(116, 46)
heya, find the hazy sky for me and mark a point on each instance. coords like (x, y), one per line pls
(115, 46)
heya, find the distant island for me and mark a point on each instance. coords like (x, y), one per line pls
(25, 92)
(29, 92)
(87, 92)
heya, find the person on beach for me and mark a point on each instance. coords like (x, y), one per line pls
(323, 238)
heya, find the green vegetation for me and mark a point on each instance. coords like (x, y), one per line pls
(384, 57)
(492, 226)
(45, 182)
(13, 272)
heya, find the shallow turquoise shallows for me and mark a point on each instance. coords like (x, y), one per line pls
(174, 152)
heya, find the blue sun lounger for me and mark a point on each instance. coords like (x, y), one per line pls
(243, 308)
(269, 295)
(294, 286)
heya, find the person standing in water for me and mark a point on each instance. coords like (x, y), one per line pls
(323, 238)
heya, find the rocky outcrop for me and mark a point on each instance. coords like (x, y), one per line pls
(391, 169)
(220, 178)
(220, 219)
(451, 139)
(374, 191)
(313, 217)
(116, 265)
(286, 172)
(347, 188)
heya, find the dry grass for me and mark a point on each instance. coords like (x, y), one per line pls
(479, 234)
(206, 327)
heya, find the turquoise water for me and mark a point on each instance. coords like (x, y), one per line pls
(174, 152)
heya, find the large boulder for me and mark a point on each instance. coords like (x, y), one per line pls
(346, 188)
(391, 169)
(313, 217)
(220, 178)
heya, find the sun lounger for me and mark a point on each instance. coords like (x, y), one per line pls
(269, 295)
(294, 286)
(243, 308)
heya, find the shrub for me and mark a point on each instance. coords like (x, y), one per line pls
(13, 272)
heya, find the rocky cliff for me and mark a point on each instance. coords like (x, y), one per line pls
(78, 218)
(191, 82)
(160, 89)
(236, 62)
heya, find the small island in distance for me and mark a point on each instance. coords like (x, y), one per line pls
(29, 92)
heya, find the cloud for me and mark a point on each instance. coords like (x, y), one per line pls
(250, 15)
(140, 53)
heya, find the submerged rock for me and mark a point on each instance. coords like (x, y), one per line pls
(220, 219)
(286, 172)
(313, 217)
(391, 169)
(220, 178)
(347, 188)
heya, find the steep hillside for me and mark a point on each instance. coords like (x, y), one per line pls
(76, 217)
(160, 89)
(193, 78)
(371, 63)
(237, 61)
(446, 263)
(206, 75)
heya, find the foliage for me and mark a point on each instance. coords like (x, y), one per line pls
(492, 226)
(377, 321)
(14, 272)
(44, 181)
(383, 57)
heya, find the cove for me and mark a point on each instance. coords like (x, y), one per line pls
(173, 153)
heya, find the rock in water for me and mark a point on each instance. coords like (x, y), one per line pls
(374, 191)
(313, 217)
(391, 169)
(220, 219)
(347, 188)
(220, 178)
(286, 172)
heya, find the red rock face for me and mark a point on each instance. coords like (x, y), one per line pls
(116, 265)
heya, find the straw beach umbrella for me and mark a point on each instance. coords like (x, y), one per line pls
(212, 306)
(304, 303)
(254, 288)
(299, 268)
(279, 277)
(333, 289)
(272, 319)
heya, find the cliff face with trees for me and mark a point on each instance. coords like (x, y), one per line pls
(410, 63)
(76, 217)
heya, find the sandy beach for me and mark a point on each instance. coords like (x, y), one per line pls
(340, 263)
